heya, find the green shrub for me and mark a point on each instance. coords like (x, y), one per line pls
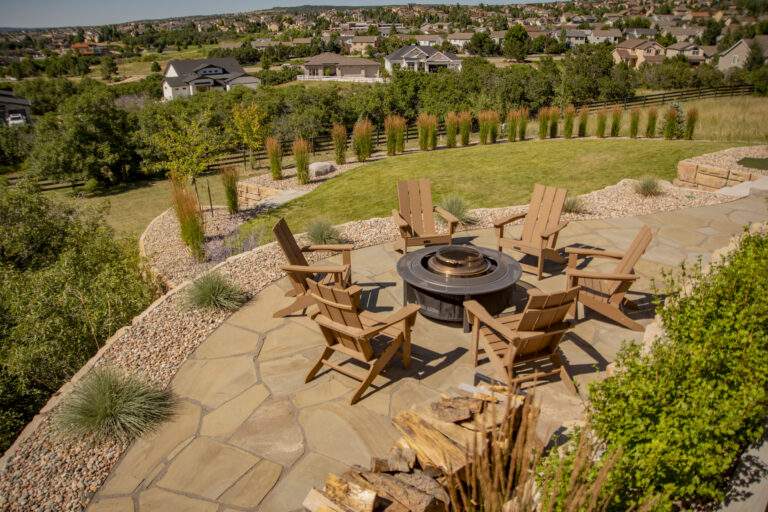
(214, 291)
(674, 122)
(465, 127)
(190, 219)
(569, 115)
(458, 207)
(339, 137)
(554, 119)
(691, 118)
(650, 124)
(362, 139)
(543, 122)
(275, 156)
(685, 411)
(648, 186)
(601, 119)
(322, 232)
(90, 186)
(108, 404)
(616, 113)
(451, 129)
(513, 118)
(15, 143)
(523, 126)
(229, 177)
(301, 156)
(583, 120)
(574, 205)
(634, 123)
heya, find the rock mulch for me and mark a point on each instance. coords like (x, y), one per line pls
(171, 260)
(729, 158)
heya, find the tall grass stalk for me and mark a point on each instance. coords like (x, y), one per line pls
(634, 122)
(451, 129)
(424, 129)
(301, 157)
(339, 137)
(522, 126)
(465, 127)
(650, 123)
(554, 119)
(583, 121)
(616, 114)
(670, 123)
(568, 118)
(191, 225)
(214, 291)
(402, 126)
(513, 117)
(390, 133)
(275, 156)
(691, 118)
(362, 139)
(229, 177)
(489, 126)
(543, 122)
(601, 119)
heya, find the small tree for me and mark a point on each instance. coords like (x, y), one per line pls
(108, 67)
(275, 156)
(650, 125)
(465, 127)
(616, 113)
(513, 118)
(543, 122)
(554, 119)
(229, 177)
(570, 114)
(362, 139)
(339, 137)
(601, 120)
(451, 129)
(301, 157)
(634, 123)
(691, 118)
(583, 120)
(523, 125)
(673, 122)
(248, 120)
(155, 67)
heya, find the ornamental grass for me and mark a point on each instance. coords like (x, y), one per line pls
(190, 218)
(583, 122)
(634, 123)
(568, 118)
(650, 123)
(691, 119)
(543, 122)
(601, 120)
(513, 119)
(301, 157)
(362, 139)
(426, 125)
(451, 129)
(465, 127)
(214, 291)
(275, 157)
(339, 138)
(322, 232)
(670, 128)
(488, 121)
(554, 119)
(616, 115)
(394, 130)
(229, 177)
(522, 126)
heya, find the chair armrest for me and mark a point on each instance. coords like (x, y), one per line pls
(328, 247)
(445, 214)
(474, 308)
(315, 269)
(583, 251)
(353, 332)
(509, 218)
(399, 220)
(608, 276)
(554, 230)
(398, 316)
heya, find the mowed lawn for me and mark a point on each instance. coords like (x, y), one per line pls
(489, 176)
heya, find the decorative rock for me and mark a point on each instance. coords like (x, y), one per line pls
(318, 169)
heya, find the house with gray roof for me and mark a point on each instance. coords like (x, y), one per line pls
(421, 58)
(340, 68)
(189, 77)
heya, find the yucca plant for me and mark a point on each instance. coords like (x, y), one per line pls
(543, 122)
(275, 156)
(451, 129)
(458, 208)
(568, 118)
(650, 124)
(391, 126)
(339, 137)
(190, 219)
(362, 139)
(601, 119)
(301, 157)
(465, 127)
(229, 176)
(322, 232)
(522, 126)
(111, 405)
(648, 186)
(616, 114)
(214, 291)
(513, 117)
(583, 120)
(554, 119)
(691, 118)
(634, 122)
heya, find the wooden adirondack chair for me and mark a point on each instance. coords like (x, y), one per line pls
(415, 219)
(349, 330)
(540, 229)
(604, 291)
(299, 270)
(514, 342)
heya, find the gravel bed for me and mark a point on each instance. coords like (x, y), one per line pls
(729, 158)
(49, 472)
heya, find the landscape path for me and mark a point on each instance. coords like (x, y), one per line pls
(251, 435)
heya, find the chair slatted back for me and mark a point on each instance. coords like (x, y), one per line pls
(288, 243)
(342, 308)
(627, 263)
(546, 312)
(415, 200)
(543, 213)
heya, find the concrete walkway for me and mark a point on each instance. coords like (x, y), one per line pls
(251, 435)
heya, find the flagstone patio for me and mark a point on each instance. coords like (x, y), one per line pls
(251, 435)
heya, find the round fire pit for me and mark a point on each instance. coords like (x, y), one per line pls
(441, 278)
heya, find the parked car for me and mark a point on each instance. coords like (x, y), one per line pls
(16, 119)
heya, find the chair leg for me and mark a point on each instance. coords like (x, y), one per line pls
(406, 350)
(376, 368)
(564, 375)
(300, 304)
(328, 352)
(615, 314)
(540, 267)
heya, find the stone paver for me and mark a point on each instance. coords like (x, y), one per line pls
(252, 435)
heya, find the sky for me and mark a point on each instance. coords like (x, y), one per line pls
(59, 13)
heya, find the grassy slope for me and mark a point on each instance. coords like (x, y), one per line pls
(490, 176)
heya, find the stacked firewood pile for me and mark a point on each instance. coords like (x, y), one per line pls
(438, 445)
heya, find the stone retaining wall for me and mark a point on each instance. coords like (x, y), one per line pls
(708, 177)
(249, 194)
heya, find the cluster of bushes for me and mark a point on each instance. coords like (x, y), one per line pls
(66, 284)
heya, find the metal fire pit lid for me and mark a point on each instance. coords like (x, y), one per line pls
(458, 261)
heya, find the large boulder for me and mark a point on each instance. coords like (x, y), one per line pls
(317, 169)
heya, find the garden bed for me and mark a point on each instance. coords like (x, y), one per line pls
(720, 169)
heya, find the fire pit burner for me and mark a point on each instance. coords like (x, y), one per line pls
(459, 261)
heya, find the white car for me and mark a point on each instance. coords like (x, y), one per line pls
(16, 119)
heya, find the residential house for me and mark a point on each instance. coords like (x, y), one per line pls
(301, 41)
(459, 39)
(611, 36)
(263, 43)
(421, 58)
(576, 37)
(428, 39)
(13, 105)
(188, 77)
(610, 18)
(361, 44)
(498, 36)
(737, 55)
(340, 68)
(686, 33)
(640, 33)
(690, 51)
(636, 51)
